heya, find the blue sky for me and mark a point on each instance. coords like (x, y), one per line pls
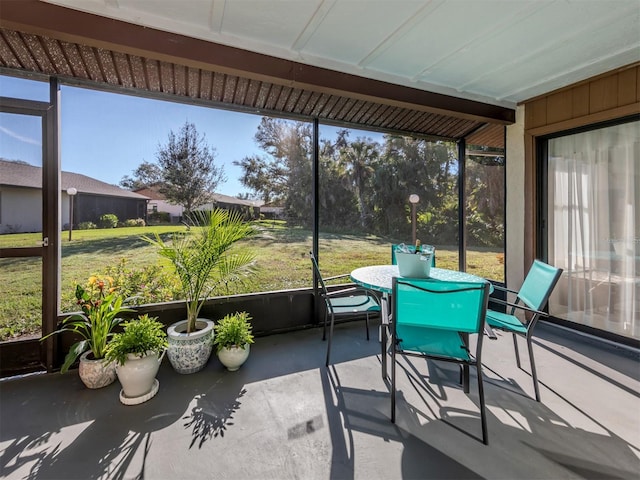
(106, 136)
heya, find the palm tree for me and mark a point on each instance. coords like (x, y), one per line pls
(358, 157)
(203, 259)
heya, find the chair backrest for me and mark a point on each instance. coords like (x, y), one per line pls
(538, 285)
(394, 260)
(426, 302)
(316, 269)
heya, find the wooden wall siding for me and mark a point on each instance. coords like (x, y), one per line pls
(606, 97)
(601, 94)
(37, 53)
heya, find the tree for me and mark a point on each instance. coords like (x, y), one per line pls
(358, 158)
(145, 176)
(185, 173)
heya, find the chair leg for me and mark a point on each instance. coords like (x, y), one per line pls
(515, 346)
(324, 327)
(367, 324)
(533, 369)
(483, 413)
(330, 338)
(393, 382)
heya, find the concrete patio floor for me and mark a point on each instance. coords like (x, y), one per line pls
(283, 415)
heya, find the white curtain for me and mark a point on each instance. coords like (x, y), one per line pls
(594, 227)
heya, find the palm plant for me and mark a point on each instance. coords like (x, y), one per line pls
(203, 259)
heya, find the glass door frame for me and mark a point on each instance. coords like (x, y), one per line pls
(542, 235)
(49, 248)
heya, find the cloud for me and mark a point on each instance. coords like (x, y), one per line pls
(15, 135)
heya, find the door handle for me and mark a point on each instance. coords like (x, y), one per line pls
(44, 242)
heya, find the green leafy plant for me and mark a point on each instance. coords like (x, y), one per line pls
(203, 257)
(148, 284)
(134, 222)
(108, 220)
(101, 304)
(138, 337)
(233, 330)
(86, 226)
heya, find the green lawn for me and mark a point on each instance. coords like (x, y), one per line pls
(281, 256)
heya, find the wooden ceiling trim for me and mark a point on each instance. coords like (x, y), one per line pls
(20, 50)
(285, 94)
(311, 104)
(252, 92)
(194, 77)
(263, 94)
(40, 56)
(229, 90)
(272, 98)
(217, 88)
(27, 51)
(320, 104)
(123, 69)
(240, 95)
(166, 77)
(180, 80)
(74, 58)
(206, 82)
(6, 54)
(292, 101)
(92, 66)
(152, 69)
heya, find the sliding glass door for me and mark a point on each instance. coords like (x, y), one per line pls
(593, 222)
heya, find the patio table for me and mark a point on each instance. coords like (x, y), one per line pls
(380, 279)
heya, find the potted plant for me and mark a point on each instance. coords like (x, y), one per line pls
(204, 262)
(101, 305)
(137, 352)
(232, 340)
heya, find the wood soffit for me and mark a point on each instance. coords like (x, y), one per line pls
(37, 37)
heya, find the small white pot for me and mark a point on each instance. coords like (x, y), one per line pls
(137, 375)
(96, 373)
(233, 357)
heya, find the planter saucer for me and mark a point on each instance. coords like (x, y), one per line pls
(142, 398)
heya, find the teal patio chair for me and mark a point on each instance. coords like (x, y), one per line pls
(531, 298)
(348, 302)
(395, 262)
(433, 319)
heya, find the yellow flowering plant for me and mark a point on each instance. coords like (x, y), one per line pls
(101, 303)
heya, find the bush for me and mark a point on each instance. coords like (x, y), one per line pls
(108, 220)
(134, 222)
(150, 284)
(87, 226)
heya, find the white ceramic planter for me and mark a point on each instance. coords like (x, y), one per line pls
(233, 357)
(96, 373)
(189, 353)
(137, 375)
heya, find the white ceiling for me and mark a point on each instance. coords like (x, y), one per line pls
(497, 51)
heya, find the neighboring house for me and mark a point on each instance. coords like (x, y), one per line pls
(272, 212)
(250, 208)
(158, 204)
(21, 199)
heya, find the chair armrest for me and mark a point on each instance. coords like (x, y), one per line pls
(344, 275)
(517, 305)
(344, 290)
(503, 289)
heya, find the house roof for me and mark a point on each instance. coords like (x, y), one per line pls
(154, 194)
(19, 174)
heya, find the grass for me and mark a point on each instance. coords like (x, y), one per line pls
(282, 257)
